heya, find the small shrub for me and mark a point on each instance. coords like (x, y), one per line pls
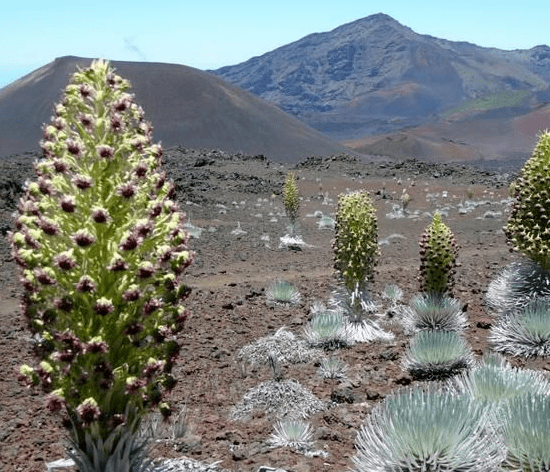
(333, 368)
(392, 293)
(527, 227)
(293, 433)
(326, 222)
(526, 433)
(355, 245)
(438, 253)
(524, 333)
(436, 355)
(421, 430)
(433, 312)
(282, 293)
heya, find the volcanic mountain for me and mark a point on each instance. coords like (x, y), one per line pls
(187, 107)
(375, 76)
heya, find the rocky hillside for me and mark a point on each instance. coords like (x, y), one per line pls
(375, 75)
(188, 108)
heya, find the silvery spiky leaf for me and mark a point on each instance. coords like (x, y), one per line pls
(356, 304)
(433, 312)
(326, 222)
(284, 399)
(524, 333)
(293, 433)
(328, 330)
(282, 293)
(333, 368)
(288, 349)
(365, 331)
(392, 293)
(436, 355)
(517, 285)
(527, 433)
(121, 451)
(497, 383)
(416, 430)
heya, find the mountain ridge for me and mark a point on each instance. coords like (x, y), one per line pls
(374, 76)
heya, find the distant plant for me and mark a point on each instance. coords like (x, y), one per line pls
(333, 368)
(326, 222)
(356, 240)
(526, 433)
(525, 332)
(103, 250)
(405, 200)
(528, 226)
(392, 293)
(293, 433)
(438, 253)
(328, 330)
(291, 199)
(420, 430)
(282, 293)
(436, 355)
(433, 312)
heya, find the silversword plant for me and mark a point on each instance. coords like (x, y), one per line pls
(528, 227)
(291, 199)
(438, 253)
(356, 240)
(102, 248)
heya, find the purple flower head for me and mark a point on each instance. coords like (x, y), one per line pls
(146, 128)
(68, 204)
(59, 123)
(96, 346)
(60, 166)
(139, 143)
(105, 152)
(153, 367)
(156, 150)
(111, 80)
(151, 305)
(161, 180)
(133, 384)
(55, 402)
(69, 340)
(104, 306)
(88, 411)
(47, 148)
(43, 277)
(86, 91)
(74, 147)
(31, 242)
(123, 103)
(132, 294)
(117, 123)
(63, 304)
(141, 169)
(130, 243)
(48, 226)
(49, 133)
(82, 181)
(145, 270)
(86, 284)
(100, 215)
(134, 328)
(65, 261)
(87, 121)
(118, 264)
(143, 228)
(127, 190)
(45, 186)
(83, 238)
(156, 210)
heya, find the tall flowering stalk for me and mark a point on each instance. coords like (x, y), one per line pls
(291, 199)
(438, 253)
(102, 249)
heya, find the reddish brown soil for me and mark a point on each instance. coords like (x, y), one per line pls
(229, 305)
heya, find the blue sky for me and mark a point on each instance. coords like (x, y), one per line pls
(209, 34)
